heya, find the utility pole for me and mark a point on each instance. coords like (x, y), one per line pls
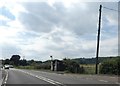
(98, 39)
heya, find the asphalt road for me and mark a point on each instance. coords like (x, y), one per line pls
(17, 76)
(0, 76)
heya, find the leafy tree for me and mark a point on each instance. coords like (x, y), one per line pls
(23, 62)
(7, 61)
(32, 62)
(15, 59)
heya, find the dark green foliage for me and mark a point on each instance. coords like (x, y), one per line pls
(110, 66)
(23, 62)
(82, 70)
(7, 61)
(85, 60)
(15, 59)
(30, 62)
(92, 60)
(39, 64)
(72, 66)
(43, 66)
(118, 65)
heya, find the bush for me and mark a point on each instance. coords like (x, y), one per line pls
(72, 66)
(110, 66)
(43, 66)
(25, 67)
(118, 61)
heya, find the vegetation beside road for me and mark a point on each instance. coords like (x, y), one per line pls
(111, 66)
(107, 65)
(89, 68)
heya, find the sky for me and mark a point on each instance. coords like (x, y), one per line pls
(37, 29)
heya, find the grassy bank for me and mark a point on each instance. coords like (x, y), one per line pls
(89, 68)
(25, 67)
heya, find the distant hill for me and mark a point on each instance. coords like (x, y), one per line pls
(92, 60)
(88, 60)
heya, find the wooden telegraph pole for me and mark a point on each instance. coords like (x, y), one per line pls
(98, 39)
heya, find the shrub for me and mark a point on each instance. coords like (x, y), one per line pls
(110, 66)
(72, 66)
(43, 66)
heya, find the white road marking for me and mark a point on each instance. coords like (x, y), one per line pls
(117, 83)
(103, 80)
(6, 78)
(113, 77)
(89, 78)
(44, 78)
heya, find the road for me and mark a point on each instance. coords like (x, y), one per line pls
(0, 76)
(17, 76)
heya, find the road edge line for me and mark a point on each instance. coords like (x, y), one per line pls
(5, 78)
(44, 79)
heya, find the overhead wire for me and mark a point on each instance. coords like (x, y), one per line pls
(111, 9)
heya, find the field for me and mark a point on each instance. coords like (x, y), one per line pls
(89, 68)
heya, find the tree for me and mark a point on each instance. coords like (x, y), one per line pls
(7, 61)
(31, 62)
(23, 62)
(15, 59)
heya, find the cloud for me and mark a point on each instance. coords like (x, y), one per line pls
(112, 20)
(3, 18)
(111, 46)
(58, 28)
(58, 15)
(63, 43)
(5, 12)
(43, 20)
(9, 50)
(74, 18)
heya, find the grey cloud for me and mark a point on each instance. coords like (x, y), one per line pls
(70, 48)
(27, 35)
(31, 54)
(43, 18)
(9, 49)
(40, 16)
(35, 23)
(3, 23)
